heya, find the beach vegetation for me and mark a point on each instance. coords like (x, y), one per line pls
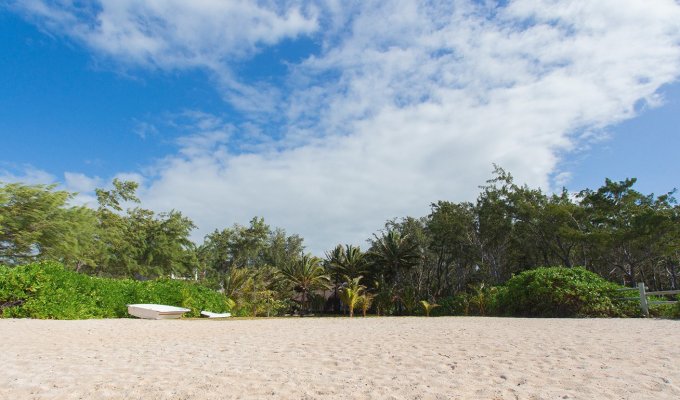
(47, 290)
(559, 292)
(466, 256)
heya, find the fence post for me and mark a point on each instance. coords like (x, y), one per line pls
(643, 299)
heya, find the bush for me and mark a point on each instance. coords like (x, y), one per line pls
(675, 311)
(665, 310)
(48, 291)
(561, 292)
(450, 305)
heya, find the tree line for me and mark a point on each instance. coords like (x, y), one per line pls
(614, 231)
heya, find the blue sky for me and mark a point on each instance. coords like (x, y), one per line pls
(328, 118)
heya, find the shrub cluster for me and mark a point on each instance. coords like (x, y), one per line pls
(561, 292)
(49, 291)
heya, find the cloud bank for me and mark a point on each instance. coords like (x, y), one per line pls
(403, 104)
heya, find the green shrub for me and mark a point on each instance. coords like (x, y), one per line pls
(561, 292)
(48, 291)
(665, 310)
(450, 305)
(675, 311)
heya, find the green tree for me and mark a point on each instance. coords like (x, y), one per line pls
(250, 246)
(138, 242)
(451, 227)
(37, 223)
(628, 234)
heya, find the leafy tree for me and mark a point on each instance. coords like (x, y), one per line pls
(37, 223)
(629, 231)
(138, 242)
(253, 246)
(451, 227)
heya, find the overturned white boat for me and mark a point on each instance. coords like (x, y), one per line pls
(156, 311)
(209, 314)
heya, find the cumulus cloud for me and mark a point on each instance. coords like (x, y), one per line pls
(406, 102)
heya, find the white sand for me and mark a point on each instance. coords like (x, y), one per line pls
(373, 358)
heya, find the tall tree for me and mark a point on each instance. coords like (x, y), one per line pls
(37, 222)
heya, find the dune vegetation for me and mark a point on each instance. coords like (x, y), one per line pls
(486, 257)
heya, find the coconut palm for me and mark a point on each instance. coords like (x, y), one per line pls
(365, 302)
(352, 293)
(334, 265)
(393, 253)
(305, 274)
(346, 261)
(428, 307)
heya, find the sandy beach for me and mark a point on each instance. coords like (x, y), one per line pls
(324, 358)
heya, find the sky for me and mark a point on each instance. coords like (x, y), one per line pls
(328, 118)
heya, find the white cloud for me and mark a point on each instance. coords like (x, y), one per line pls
(84, 186)
(80, 182)
(26, 174)
(407, 103)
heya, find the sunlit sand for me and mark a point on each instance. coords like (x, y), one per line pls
(371, 358)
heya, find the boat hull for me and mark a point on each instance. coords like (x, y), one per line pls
(156, 311)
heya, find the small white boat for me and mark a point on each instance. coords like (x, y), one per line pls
(156, 311)
(215, 315)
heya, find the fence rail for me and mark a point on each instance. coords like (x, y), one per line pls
(644, 302)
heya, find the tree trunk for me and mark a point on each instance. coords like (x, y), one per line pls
(674, 276)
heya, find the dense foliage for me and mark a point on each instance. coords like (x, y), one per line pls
(459, 256)
(559, 292)
(47, 290)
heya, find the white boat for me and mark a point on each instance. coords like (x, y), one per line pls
(156, 311)
(215, 315)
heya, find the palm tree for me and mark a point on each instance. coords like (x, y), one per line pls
(354, 261)
(365, 302)
(393, 253)
(352, 293)
(428, 307)
(305, 274)
(346, 261)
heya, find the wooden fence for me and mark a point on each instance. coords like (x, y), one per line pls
(644, 301)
